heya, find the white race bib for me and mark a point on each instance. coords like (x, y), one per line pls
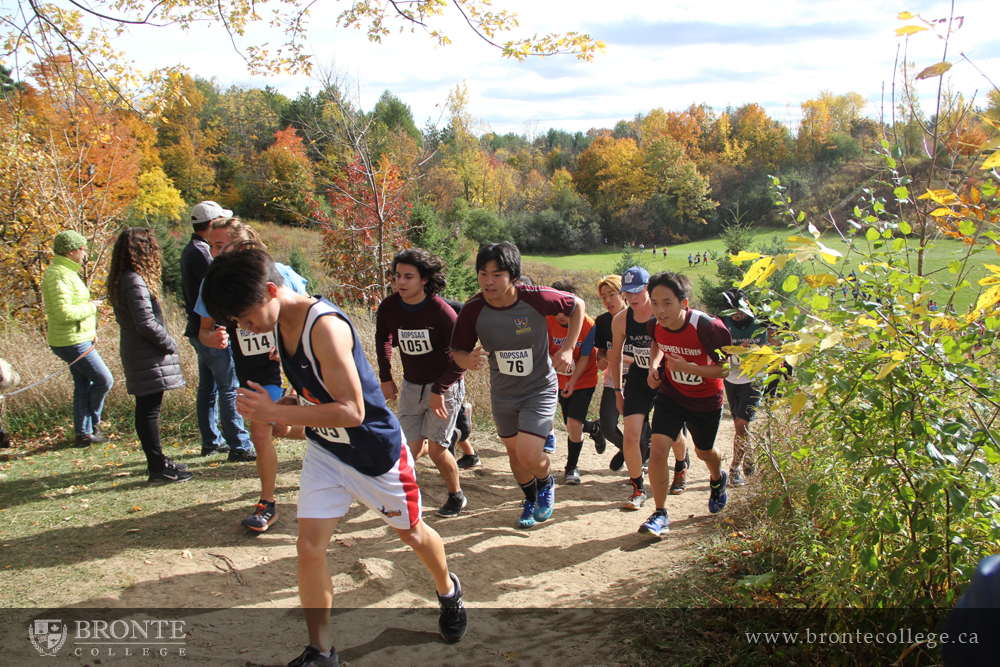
(641, 356)
(514, 362)
(338, 435)
(685, 378)
(414, 341)
(254, 343)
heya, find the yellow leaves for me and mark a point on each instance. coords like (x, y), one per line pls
(743, 256)
(992, 161)
(831, 340)
(934, 70)
(821, 279)
(886, 369)
(798, 402)
(988, 298)
(867, 321)
(943, 197)
(995, 278)
(756, 271)
(908, 30)
(800, 241)
(905, 16)
(940, 212)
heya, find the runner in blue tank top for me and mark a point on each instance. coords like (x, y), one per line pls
(354, 443)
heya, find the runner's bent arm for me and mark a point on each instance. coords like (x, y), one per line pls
(563, 358)
(655, 357)
(332, 344)
(615, 355)
(383, 352)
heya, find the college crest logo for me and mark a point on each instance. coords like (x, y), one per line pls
(47, 635)
(521, 322)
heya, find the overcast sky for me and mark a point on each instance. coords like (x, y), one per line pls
(659, 54)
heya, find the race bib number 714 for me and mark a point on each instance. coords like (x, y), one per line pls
(254, 343)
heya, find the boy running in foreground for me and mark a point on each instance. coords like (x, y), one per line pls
(509, 322)
(688, 343)
(354, 443)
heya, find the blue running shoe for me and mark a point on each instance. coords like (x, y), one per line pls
(527, 519)
(546, 501)
(550, 444)
(656, 524)
(717, 498)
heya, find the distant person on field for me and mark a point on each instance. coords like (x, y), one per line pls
(148, 352)
(690, 260)
(216, 374)
(72, 334)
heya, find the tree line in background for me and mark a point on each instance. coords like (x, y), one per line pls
(373, 181)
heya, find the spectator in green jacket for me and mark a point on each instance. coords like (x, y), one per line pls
(72, 319)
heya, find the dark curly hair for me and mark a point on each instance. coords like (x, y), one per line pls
(135, 250)
(236, 281)
(430, 267)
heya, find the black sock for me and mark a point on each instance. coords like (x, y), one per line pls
(573, 455)
(661, 510)
(682, 465)
(591, 428)
(457, 494)
(530, 490)
(548, 481)
(637, 483)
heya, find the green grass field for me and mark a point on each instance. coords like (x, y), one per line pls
(942, 252)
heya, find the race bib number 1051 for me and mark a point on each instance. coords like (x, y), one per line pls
(414, 341)
(514, 362)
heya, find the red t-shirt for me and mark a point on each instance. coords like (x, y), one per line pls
(699, 342)
(557, 336)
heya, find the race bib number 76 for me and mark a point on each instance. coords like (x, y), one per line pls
(514, 362)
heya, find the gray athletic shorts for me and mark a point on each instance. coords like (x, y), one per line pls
(532, 414)
(417, 418)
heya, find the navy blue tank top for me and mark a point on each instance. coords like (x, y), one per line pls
(373, 447)
(637, 343)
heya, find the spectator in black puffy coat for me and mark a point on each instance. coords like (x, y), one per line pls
(148, 352)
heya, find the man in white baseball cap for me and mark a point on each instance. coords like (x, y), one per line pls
(217, 384)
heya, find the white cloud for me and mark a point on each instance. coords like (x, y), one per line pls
(670, 54)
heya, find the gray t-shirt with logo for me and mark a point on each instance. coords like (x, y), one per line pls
(516, 338)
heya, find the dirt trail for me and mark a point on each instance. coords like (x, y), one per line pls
(588, 555)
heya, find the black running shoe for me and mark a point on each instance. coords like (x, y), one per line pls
(242, 456)
(179, 466)
(169, 474)
(617, 461)
(218, 449)
(468, 461)
(264, 514)
(454, 620)
(456, 503)
(313, 657)
(600, 443)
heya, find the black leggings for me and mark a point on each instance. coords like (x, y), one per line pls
(147, 427)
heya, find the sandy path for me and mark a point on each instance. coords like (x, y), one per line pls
(588, 555)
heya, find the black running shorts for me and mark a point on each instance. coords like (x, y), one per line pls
(743, 399)
(669, 419)
(577, 405)
(638, 396)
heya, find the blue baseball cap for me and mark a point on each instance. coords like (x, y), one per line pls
(634, 279)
